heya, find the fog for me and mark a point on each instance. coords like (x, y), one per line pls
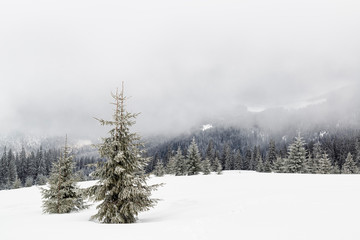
(182, 61)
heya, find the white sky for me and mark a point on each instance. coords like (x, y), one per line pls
(180, 60)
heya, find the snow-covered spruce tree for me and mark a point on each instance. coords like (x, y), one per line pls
(171, 166)
(193, 159)
(335, 169)
(357, 156)
(260, 164)
(4, 171)
(227, 158)
(272, 156)
(317, 154)
(238, 162)
(349, 166)
(210, 152)
(121, 187)
(62, 194)
(310, 164)
(180, 167)
(159, 170)
(217, 166)
(267, 166)
(297, 156)
(206, 166)
(11, 168)
(324, 165)
(280, 165)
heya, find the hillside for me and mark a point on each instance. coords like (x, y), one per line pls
(234, 205)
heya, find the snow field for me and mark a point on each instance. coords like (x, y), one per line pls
(246, 205)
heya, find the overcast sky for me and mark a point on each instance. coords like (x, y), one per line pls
(180, 60)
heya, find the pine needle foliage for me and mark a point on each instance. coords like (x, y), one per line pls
(122, 187)
(62, 195)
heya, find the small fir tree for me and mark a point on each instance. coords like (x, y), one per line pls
(210, 152)
(63, 195)
(280, 165)
(260, 164)
(238, 162)
(180, 167)
(206, 166)
(324, 165)
(335, 169)
(193, 159)
(122, 187)
(17, 183)
(357, 156)
(317, 154)
(258, 160)
(29, 181)
(227, 158)
(349, 166)
(272, 156)
(217, 166)
(11, 161)
(297, 156)
(171, 166)
(267, 166)
(310, 164)
(159, 170)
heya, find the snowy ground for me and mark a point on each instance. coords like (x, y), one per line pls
(234, 205)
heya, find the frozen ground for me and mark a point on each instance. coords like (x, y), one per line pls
(234, 205)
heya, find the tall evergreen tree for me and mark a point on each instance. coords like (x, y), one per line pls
(349, 166)
(296, 156)
(122, 186)
(63, 195)
(193, 159)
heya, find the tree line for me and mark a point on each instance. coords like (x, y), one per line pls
(25, 169)
(298, 157)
